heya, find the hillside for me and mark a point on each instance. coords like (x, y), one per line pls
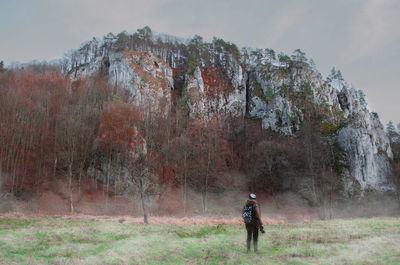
(218, 79)
(151, 116)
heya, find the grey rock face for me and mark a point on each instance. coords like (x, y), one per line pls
(266, 89)
(366, 145)
(144, 76)
(205, 101)
(363, 140)
(369, 165)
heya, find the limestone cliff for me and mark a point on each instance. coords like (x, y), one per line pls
(258, 84)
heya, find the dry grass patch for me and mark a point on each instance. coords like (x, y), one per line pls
(83, 241)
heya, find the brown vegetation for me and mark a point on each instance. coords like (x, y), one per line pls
(85, 136)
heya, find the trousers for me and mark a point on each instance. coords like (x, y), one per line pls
(252, 233)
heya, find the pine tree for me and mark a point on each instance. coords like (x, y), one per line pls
(299, 56)
(394, 138)
(361, 98)
(335, 75)
(392, 132)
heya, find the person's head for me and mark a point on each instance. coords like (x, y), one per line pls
(252, 196)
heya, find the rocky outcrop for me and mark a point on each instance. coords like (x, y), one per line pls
(273, 90)
(257, 84)
(146, 79)
(365, 143)
(208, 94)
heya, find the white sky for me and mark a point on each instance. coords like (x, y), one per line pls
(359, 37)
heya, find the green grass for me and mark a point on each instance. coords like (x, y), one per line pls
(63, 241)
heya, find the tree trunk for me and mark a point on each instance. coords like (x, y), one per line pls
(206, 183)
(70, 188)
(311, 167)
(1, 175)
(55, 167)
(142, 199)
(184, 185)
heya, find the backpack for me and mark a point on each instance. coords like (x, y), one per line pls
(248, 214)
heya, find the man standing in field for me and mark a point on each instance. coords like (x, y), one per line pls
(252, 220)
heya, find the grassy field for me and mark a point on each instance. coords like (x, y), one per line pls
(65, 241)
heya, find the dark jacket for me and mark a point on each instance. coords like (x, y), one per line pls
(256, 217)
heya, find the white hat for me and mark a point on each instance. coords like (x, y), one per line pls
(252, 196)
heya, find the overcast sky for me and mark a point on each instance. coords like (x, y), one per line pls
(359, 37)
